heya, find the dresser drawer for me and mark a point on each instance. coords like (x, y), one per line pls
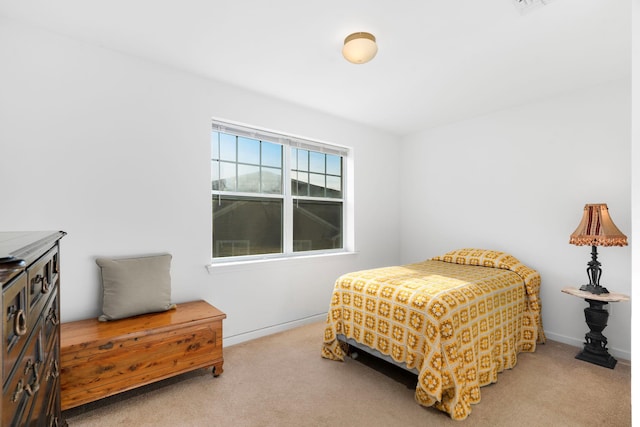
(24, 383)
(14, 322)
(42, 277)
(51, 321)
(41, 413)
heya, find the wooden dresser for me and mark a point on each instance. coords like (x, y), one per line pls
(30, 278)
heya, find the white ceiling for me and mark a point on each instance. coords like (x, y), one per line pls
(438, 60)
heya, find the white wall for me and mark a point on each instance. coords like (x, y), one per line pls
(517, 181)
(115, 151)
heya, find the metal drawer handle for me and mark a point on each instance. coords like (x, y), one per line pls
(33, 388)
(20, 323)
(53, 371)
(52, 316)
(46, 283)
(18, 392)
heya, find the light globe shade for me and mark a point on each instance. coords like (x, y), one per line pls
(359, 48)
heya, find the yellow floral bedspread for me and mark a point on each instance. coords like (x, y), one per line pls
(459, 319)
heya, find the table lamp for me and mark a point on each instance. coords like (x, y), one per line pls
(596, 229)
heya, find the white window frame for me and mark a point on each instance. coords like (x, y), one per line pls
(289, 141)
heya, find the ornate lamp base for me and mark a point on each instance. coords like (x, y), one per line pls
(594, 289)
(595, 346)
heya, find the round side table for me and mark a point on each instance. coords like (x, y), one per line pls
(595, 346)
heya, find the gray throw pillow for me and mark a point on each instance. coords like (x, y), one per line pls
(136, 285)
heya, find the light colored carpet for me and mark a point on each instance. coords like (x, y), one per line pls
(281, 380)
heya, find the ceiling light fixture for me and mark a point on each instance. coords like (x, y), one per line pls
(359, 48)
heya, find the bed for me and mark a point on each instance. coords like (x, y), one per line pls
(455, 320)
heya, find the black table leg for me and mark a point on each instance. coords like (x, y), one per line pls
(595, 346)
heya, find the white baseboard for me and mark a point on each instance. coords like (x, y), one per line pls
(262, 332)
(579, 344)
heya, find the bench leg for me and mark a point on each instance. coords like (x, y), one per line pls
(217, 369)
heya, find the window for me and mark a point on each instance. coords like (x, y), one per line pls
(274, 194)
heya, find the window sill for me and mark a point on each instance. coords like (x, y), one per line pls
(241, 264)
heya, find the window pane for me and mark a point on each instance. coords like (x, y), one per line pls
(227, 147)
(245, 226)
(316, 162)
(249, 179)
(316, 188)
(303, 160)
(316, 225)
(215, 154)
(215, 175)
(334, 187)
(227, 176)
(300, 183)
(294, 183)
(248, 151)
(272, 180)
(271, 154)
(334, 165)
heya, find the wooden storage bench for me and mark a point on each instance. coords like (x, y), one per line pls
(100, 359)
